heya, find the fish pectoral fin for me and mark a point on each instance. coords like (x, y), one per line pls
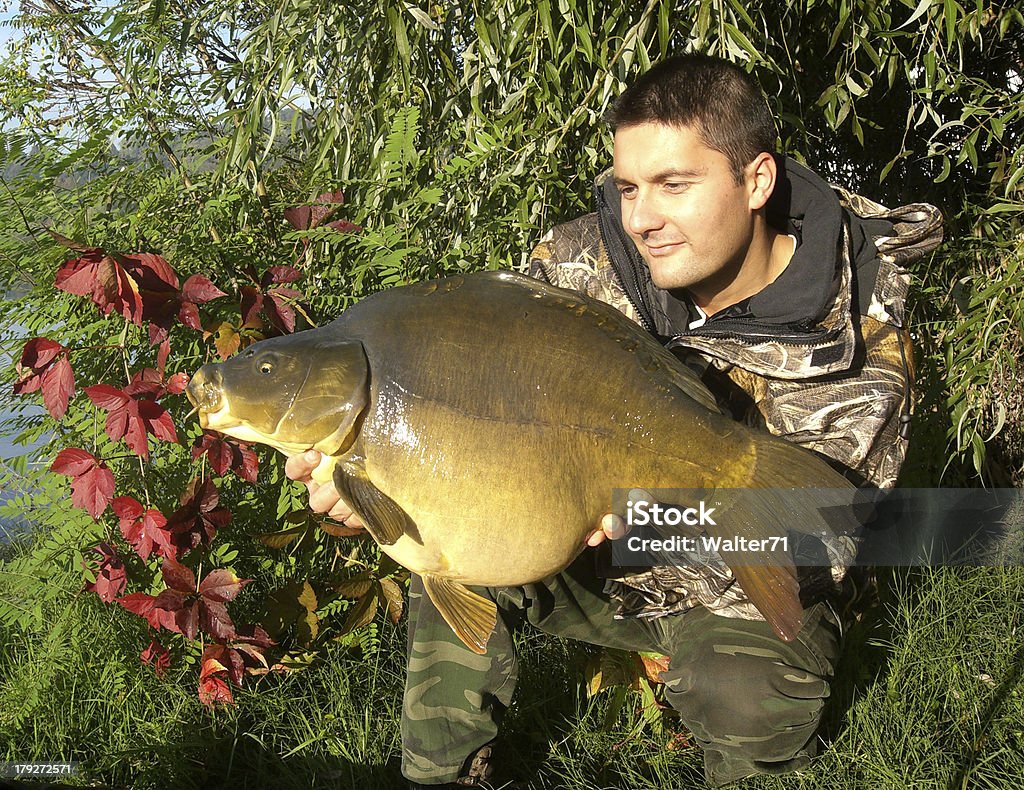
(471, 616)
(384, 518)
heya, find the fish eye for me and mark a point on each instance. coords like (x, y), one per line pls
(265, 364)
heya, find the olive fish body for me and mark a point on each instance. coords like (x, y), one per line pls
(479, 424)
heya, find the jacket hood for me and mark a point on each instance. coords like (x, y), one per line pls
(800, 325)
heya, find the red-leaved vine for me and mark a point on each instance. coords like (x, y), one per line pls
(145, 291)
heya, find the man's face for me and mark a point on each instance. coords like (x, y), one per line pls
(692, 223)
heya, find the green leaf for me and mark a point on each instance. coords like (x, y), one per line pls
(544, 14)
(921, 9)
(422, 17)
(401, 37)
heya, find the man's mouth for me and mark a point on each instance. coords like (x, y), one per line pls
(660, 250)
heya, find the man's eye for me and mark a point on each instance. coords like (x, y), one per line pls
(627, 192)
(676, 186)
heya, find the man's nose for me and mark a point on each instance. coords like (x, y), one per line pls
(642, 216)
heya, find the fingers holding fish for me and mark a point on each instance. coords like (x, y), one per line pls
(613, 527)
(323, 497)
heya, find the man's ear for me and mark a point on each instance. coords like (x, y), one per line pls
(761, 174)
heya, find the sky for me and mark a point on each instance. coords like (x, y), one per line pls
(8, 9)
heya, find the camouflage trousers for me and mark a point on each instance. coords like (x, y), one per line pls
(752, 701)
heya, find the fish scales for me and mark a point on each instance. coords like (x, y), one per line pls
(479, 425)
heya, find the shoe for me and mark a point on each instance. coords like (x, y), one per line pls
(477, 771)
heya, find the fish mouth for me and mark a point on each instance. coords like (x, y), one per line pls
(207, 395)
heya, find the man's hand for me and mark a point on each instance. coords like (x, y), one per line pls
(613, 527)
(323, 497)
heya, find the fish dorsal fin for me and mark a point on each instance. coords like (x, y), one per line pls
(687, 380)
(384, 518)
(471, 616)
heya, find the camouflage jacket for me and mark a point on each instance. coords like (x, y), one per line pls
(820, 357)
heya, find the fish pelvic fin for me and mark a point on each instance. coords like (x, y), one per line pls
(769, 576)
(471, 616)
(774, 590)
(384, 518)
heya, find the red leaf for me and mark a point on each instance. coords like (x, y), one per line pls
(223, 454)
(142, 287)
(298, 217)
(196, 291)
(146, 383)
(204, 494)
(213, 690)
(177, 383)
(39, 352)
(280, 274)
(188, 314)
(92, 483)
(220, 660)
(221, 585)
(44, 364)
(127, 509)
(248, 467)
(102, 278)
(178, 577)
(199, 518)
(157, 655)
(313, 216)
(72, 461)
(143, 529)
(178, 611)
(93, 275)
(58, 384)
(143, 605)
(161, 357)
(187, 619)
(150, 271)
(280, 313)
(254, 635)
(252, 303)
(157, 420)
(110, 575)
(132, 412)
(107, 397)
(215, 620)
(218, 452)
(199, 290)
(343, 226)
(130, 426)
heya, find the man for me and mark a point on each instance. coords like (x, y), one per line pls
(788, 296)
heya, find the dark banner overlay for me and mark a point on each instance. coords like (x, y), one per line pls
(819, 527)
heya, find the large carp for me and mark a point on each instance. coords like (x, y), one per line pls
(478, 425)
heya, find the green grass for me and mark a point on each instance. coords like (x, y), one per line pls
(928, 696)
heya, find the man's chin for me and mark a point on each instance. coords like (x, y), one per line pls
(668, 276)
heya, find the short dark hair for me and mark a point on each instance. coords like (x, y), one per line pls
(720, 101)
